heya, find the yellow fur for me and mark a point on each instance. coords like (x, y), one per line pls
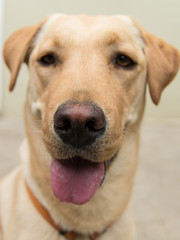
(85, 47)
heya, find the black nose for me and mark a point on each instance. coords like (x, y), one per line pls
(79, 124)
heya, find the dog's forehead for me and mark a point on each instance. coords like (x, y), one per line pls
(107, 28)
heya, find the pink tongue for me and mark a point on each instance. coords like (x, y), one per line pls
(76, 180)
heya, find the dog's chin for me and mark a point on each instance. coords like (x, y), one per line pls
(76, 180)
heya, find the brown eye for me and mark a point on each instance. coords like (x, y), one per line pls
(124, 61)
(48, 60)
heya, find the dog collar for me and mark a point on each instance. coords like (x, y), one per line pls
(70, 235)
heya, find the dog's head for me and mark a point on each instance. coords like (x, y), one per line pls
(87, 84)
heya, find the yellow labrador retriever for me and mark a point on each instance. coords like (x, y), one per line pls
(83, 112)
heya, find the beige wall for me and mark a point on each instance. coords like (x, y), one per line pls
(158, 16)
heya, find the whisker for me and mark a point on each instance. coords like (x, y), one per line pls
(34, 131)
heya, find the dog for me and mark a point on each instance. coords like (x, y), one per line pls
(83, 112)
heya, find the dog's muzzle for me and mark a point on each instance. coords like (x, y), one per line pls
(78, 125)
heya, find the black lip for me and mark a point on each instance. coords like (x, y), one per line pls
(110, 161)
(107, 164)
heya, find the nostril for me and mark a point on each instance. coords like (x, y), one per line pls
(95, 125)
(65, 124)
(90, 125)
(61, 122)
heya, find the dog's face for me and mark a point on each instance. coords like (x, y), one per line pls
(92, 68)
(87, 85)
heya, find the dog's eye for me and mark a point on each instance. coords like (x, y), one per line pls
(48, 60)
(122, 60)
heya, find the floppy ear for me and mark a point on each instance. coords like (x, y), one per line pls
(16, 48)
(163, 63)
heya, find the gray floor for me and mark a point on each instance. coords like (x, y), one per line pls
(157, 189)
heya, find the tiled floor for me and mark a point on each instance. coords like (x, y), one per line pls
(157, 188)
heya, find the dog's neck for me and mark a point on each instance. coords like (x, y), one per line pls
(70, 235)
(109, 201)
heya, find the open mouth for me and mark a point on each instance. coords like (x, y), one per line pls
(76, 180)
